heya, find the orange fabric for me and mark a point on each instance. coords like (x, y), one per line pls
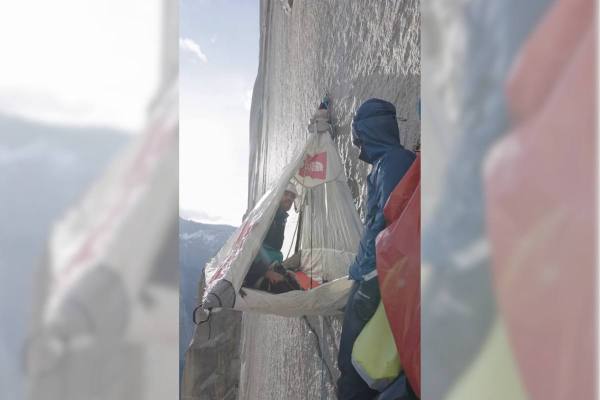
(540, 185)
(545, 55)
(305, 281)
(399, 271)
(402, 192)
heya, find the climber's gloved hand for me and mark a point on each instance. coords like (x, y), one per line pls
(367, 297)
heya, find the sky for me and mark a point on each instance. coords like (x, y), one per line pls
(80, 62)
(218, 62)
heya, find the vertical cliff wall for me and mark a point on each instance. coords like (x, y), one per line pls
(353, 50)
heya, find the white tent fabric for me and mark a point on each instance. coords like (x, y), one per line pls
(329, 236)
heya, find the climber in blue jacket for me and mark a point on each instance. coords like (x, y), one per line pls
(375, 132)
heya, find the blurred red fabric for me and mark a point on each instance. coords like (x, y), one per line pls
(540, 184)
(399, 270)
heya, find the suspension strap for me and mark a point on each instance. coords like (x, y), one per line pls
(320, 351)
(312, 220)
(207, 319)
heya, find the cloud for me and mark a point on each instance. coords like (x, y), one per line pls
(192, 47)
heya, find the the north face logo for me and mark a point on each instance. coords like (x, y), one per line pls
(315, 166)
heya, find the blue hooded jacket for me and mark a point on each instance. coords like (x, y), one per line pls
(375, 132)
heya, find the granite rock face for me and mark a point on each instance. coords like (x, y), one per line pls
(352, 50)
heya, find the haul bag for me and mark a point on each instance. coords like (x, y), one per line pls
(374, 354)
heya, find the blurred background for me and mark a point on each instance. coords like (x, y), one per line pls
(509, 199)
(88, 204)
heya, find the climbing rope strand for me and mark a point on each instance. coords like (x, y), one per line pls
(203, 321)
(319, 350)
(312, 220)
(322, 362)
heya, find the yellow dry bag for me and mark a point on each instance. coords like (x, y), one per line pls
(374, 355)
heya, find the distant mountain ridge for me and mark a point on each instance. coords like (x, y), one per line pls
(198, 243)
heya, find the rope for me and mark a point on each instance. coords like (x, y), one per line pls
(321, 319)
(204, 321)
(209, 326)
(312, 220)
(331, 333)
(300, 224)
(319, 351)
(322, 363)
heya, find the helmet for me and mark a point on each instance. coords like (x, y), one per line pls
(291, 188)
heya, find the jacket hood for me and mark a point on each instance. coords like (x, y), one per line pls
(375, 130)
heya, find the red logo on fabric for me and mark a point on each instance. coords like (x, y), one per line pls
(315, 166)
